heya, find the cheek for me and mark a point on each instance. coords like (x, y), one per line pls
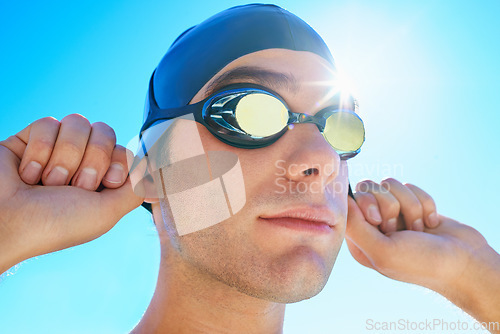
(202, 187)
(211, 143)
(256, 164)
(343, 177)
(195, 246)
(337, 193)
(341, 182)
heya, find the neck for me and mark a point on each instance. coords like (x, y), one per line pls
(187, 300)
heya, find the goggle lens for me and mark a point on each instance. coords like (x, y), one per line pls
(345, 131)
(261, 115)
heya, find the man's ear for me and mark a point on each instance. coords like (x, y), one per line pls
(146, 186)
(150, 189)
(143, 180)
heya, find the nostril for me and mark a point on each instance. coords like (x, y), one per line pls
(311, 171)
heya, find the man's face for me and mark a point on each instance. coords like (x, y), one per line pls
(301, 171)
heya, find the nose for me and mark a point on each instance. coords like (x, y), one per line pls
(309, 157)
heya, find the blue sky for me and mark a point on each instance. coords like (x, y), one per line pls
(426, 76)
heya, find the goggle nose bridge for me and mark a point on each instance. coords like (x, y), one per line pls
(298, 118)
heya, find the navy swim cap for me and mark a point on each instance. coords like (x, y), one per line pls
(203, 50)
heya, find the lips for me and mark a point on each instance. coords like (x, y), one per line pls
(303, 219)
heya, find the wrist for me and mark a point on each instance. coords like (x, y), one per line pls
(10, 255)
(5, 263)
(477, 289)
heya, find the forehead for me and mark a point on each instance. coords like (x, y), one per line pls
(285, 71)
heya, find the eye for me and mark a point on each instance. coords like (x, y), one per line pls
(261, 115)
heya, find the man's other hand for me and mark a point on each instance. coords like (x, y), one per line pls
(394, 228)
(63, 184)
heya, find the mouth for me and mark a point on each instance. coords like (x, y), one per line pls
(307, 219)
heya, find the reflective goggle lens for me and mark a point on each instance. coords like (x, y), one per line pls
(261, 115)
(344, 131)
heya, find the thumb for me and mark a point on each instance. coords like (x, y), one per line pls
(359, 231)
(116, 203)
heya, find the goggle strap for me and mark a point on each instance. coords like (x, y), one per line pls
(164, 114)
(350, 191)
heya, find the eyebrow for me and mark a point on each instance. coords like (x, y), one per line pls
(265, 77)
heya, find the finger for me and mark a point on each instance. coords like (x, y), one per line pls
(40, 137)
(97, 157)
(369, 206)
(116, 173)
(366, 236)
(16, 146)
(429, 206)
(9, 164)
(411, 208)
(68, 150)
(358, 254)
(116, 203)
(388, 205)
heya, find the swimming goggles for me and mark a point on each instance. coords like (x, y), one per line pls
(251, 116)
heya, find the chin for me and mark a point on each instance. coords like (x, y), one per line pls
(297, 295)
(298, 276)
(306, 275)
(292, 293)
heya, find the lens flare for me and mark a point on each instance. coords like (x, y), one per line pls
(341, 85)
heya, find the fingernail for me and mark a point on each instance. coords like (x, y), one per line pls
(433, 219)
(31, 172)
(373, 213)
(391, 224)
(115, 174)
(87, 178)
(57, 176)
(418, 225)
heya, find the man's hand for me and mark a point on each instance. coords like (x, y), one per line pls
(395, 229)
(63, 184)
